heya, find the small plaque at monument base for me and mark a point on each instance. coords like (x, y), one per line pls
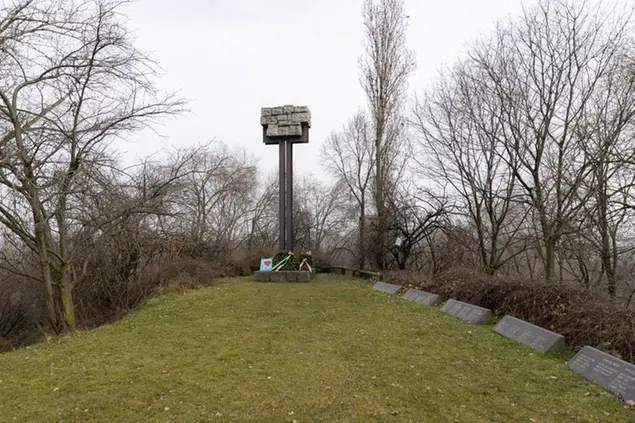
(617, 376)
(422, 297)
(468, 312)
(386, 288)
(542, 340)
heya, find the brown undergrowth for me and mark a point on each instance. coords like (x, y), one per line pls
(582, 316)
(105, 295)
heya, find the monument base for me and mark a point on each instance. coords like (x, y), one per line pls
(284, 276)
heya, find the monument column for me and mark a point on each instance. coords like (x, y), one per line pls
(283, 197)
(289, 208)
(285, 126)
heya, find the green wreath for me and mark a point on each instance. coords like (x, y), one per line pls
(290, 262)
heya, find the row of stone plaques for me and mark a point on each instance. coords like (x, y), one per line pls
(617, 376)
(461, 310)
(541, 340)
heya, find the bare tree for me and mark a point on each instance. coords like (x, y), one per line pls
(72, 82)
(461, 140)
(415, 216)
(349, 155)
(449, 247)
(322, 210)
(385, 67)
(215, 198)
(263, 222)
(606, 137)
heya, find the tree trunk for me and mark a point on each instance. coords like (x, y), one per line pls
(584, 272)
(66, 299)
(403, 254)
(42, 231)
(362, 238)
(67, 308)
(611, 282)
(44, 260)
(49, 298)
(630, 298)
(379, 196)
(550, 258)
(607, 265)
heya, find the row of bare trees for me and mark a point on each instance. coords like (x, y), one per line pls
(369, 155)
(521, 154)
(532, 134)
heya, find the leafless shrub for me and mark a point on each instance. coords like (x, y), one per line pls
(20, 312)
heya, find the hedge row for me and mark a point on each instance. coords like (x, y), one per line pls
(582, 316)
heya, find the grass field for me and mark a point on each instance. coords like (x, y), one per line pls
(328, 351)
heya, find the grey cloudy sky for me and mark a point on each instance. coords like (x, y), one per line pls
(231, 57)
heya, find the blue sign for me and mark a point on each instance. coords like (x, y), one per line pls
(266, 264)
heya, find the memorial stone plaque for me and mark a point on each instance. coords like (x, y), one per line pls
(616, 375)
(386, 288)
(542, 340)
(422, 297)
(468, 312)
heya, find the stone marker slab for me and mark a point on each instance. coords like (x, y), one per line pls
(542, 340)
(422, 297)
(468, 312)
(616, 375)
(386, 288)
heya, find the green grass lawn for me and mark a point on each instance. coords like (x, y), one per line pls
(329, 351)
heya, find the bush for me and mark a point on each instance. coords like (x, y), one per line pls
(251, 258)
(582, 316)
(20, 313)
(105, 300)
(107, 293)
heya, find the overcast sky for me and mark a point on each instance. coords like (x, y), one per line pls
(231, 57)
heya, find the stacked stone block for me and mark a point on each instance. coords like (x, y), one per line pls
(285, 121)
